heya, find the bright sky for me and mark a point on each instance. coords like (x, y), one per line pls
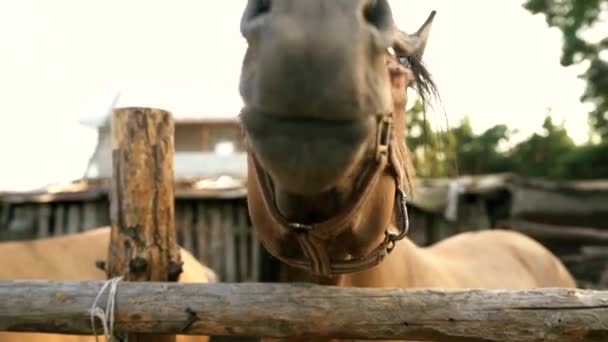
(62, 60)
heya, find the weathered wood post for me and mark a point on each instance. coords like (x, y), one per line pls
(143, 243)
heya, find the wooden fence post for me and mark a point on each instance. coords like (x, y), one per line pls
(143, 243)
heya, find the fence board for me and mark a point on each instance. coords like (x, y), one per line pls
(243, 239)
(186, 228)
(89, 213)
(73, 223)
(44, 216)
(229, 231)
(202, 233)
(216, 241)
(59, 221)
(284, 310)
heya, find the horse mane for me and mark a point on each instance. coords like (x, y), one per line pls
(424, 83)
(427, 91)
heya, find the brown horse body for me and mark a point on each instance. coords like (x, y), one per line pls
(315, 77)
(73, 257)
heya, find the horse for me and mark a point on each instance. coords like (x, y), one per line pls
(73, 257)
(323, 84)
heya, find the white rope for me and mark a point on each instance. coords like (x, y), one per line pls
(106, 317)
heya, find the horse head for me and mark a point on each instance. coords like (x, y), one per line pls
(323, 83)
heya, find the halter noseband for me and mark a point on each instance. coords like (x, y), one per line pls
(313, 238)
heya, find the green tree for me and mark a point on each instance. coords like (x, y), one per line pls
(584, 162)
(455, 151)
(574, 18)
(459, 151)
(482, 154)
(538, 155)
(429, 152)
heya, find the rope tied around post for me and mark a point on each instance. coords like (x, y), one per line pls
(106, 316)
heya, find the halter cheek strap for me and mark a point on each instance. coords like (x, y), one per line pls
(313, 239)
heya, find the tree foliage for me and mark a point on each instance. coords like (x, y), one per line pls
(431, 156)
(459, 151)
(574, 18)
(550, 153)
(537, 155)
(487, 144)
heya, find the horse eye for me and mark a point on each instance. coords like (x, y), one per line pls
(405, 62)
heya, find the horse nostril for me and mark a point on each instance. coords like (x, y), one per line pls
(261, 7)
(378, 14)
(253, 18)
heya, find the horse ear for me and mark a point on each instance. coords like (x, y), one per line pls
(413, 45)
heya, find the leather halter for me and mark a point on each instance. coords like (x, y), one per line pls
(313, 238)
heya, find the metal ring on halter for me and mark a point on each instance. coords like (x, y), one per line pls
(404, 223)
(390, 243)
(300, 227)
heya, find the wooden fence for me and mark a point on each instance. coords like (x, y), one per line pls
(288, 310)
(214, 229)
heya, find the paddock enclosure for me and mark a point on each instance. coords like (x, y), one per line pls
(570, 218)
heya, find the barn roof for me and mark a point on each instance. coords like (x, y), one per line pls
(86, 190)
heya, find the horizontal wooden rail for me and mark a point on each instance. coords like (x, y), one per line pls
(569, 234)
(281, 310)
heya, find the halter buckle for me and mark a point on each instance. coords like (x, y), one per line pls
(385, 125)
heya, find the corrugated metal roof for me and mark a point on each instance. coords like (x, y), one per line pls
(220, 187)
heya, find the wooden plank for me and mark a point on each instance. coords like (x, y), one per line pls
(46, 197)
(216, 257)
(569, 234)
(202, 233)
(229, 232)
(24, 222)
(59, 220)
(89, 213)
(101, 193)
(289, 310)
(73, 224)
(44, 217)
(255, 255)
(179, 222)
(187, 222)
(243, 235)
(103, 213)
(5, 212)
(143, 244)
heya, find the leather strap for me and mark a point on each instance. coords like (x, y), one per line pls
(313, 238)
